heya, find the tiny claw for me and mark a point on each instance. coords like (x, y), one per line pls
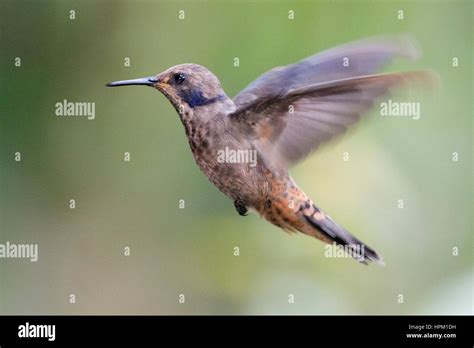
(241, 208)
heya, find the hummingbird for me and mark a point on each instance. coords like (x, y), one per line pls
(281, 117)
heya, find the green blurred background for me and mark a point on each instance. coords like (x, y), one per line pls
(191, 250)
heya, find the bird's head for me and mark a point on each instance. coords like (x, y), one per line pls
(187, 86)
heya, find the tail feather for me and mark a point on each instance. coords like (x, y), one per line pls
(290, 209)
(359, 250)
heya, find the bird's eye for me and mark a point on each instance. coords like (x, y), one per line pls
(179, 78)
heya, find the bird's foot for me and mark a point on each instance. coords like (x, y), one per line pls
(241, 208)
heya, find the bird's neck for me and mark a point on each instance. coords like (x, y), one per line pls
(204, 117)
(195, 117)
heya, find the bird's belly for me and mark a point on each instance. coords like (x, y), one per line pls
(236, 180)
(235, 172)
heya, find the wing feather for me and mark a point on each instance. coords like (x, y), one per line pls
(359, 58)
(287, 127)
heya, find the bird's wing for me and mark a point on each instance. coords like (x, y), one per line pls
(359, 58)
(288, 111)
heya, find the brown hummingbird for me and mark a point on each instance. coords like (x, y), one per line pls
(280, 118)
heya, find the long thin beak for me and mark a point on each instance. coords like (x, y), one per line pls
(145, 81)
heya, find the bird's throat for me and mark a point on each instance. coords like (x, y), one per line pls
(195, 98)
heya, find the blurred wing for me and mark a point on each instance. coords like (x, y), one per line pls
(288, 111)
(285, 128)
(359, 58)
